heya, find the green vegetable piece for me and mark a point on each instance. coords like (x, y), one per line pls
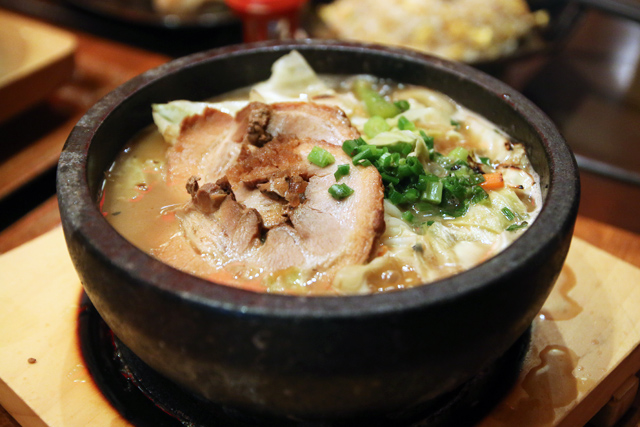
(375, 125)
(403, 105)
(320, 157)
(455, 124)
(395, 197)
(478, 194)
(411, 195)
(340, 191)
(405, 124)
(430, 223)
(350, 146)
(388, 178)
(375, 103)
(343, 170)
(403, 148)
(514, 227)
(407, 216)
(415, 165)
(485, 161)
(508, 214)
(428, 140)
(458, 154)
(367, 152)
(433, 192)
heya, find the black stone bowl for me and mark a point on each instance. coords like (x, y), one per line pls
(313, 357)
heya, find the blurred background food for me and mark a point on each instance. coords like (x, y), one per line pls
(180, 6)
(464, 30)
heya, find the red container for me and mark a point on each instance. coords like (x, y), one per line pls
(267, 19)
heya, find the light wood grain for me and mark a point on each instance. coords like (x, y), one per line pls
(584, 345)
(40, 296)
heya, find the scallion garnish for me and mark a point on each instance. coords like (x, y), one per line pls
(485, 161)
(374, 102)
(514, 227)
(448, 188)
(403, 105)
(350, 146)
(428, 140)
(340, 191)
(458, 154)
(508, 214)
(343, 170)
(405, 124)
(407, 216)
(320, 157)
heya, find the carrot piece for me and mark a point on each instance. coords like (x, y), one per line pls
(492, 181)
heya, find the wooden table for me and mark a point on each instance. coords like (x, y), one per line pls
(608, 216)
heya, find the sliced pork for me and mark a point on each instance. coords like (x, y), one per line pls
(267, 206)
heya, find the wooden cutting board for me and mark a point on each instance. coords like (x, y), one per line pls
(584, 343)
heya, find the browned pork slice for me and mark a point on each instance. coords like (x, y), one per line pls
(277, 212)
(294, 119)
(256, 200)
(209, 143)
(204, 147)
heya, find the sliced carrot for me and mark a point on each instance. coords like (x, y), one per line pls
(492, 181)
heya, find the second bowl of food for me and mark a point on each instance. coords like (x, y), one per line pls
(317, 230)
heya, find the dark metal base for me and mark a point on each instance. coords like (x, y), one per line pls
(147, 399)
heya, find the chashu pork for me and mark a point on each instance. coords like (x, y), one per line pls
(209, 143)
(265, 206)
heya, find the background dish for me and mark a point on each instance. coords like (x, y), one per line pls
(210, 14)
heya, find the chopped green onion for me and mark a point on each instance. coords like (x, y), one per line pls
(514, 227)
(405, 124)
(375, 125)
(478, 194)
(388, 178)
(485, 161)
(428, 140)
(395, 197)
(350, 145)
(366, 152)
(430, 223)
(340, 191)
(455, 124)
(403, 105)
(458, 154)
(449, 188)
(508, 214)
(407, 216)
(433, 192)
(320, 157)
(343, 170)
(375, 103)
(411, 195)
(403, 148)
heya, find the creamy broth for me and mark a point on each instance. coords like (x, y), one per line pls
(418, 242)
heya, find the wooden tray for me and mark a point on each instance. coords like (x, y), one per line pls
(584, 343)
(34, 60)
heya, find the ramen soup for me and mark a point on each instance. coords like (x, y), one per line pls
(321, 186)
